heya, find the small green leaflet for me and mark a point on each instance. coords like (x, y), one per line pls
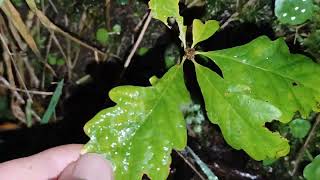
(312, 170)
(241, 117)
(299, 128)
(294, 11)
(201, 32)
(53, 103)
(164, 9)
(139, 133)
(266, 70)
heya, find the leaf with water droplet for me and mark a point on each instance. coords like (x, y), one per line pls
(241, 117)
(201, 32)
(139, 133)
(312, 170)
(164, 9)
(294, 11)
(270, 73)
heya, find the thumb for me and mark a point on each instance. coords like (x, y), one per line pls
(88, 167)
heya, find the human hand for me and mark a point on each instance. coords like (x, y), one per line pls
(59, 163)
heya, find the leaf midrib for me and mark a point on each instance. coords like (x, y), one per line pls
(257, 67)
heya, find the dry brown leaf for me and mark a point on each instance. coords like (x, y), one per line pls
(14, 16)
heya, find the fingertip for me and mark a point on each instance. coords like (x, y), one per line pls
(89, 166)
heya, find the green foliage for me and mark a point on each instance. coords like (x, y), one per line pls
(299, 128)
(54, 60)
(266, 70)
(312, 170)
(18, 3)
(171, 55)
(5, 108)
(116, 29)
(138, 134)
(194, 117)
(53, 103)
(202, 31)
(236, 114)
(261, 82)
(294, 11)
(142, 51)
(164, 9)
(102, 36)
(122, 2)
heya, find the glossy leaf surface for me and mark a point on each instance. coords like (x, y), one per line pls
(164, 9)
(139, 133)
(241, 117)
(312, 170)
(299, 128)
(293, 11)
(266, 70)
(201, 32)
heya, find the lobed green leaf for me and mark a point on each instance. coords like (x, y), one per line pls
(266, 70)
(312, 170)
(201, 32)
(164, 9)
(139, 133)
(241, 117)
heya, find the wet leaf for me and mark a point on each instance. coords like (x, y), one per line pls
(202, 31)
(164, 9)
(299, 128)
(241, 117)
(294, 11)
(266, 70)
(139, 133)
(312, 170)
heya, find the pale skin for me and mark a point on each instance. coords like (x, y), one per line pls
(59, 163)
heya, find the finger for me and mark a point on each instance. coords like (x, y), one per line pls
(89, 167)
(45, 165)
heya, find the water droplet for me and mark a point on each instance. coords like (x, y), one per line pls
(113, 145)
(303, 10)
(296, 8)
(149, 147)
(165, 148)
(158, 169)
(284, 14)
(116, 153)
(293, 18)
(235, 56)
(164, 161)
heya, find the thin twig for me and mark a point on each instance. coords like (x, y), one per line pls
(236, 14)
(14, 65)
(14, 91)
(29, 91)
(191, 165)
(108, 19)
(51, 26)
(137, 43)
(305, 146)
